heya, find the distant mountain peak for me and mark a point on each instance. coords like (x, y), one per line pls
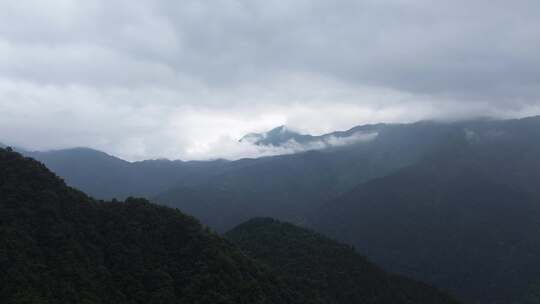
(275, 137)
(284, 136)
(281, 130)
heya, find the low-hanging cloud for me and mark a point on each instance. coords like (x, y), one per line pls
(334, 141)
(232, 149)
(165, 78)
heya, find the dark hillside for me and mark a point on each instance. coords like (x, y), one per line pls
(57, 245)
(325, 271)
(466, 218)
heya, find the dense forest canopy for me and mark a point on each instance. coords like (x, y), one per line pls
(452, 204)
(325, 271)
(58, 245)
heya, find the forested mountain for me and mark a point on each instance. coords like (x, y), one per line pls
(57, 245)
(453, 204)
(466, 218)
(324, 271)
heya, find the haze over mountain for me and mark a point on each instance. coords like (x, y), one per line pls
(187, 80)
(287, 186)
(296, 142)
(465, 218)
(454, 204)
(83, 168)
(276, 137)
(291, 187)
(59, 245)
(406, 131)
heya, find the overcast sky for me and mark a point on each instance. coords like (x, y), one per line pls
(186, 79)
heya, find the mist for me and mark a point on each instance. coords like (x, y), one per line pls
(167, 79)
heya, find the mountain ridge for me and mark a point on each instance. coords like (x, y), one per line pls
(469, 209)
(284, 137)
(60, 246)
(334, 273)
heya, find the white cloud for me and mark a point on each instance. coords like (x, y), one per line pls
(179, 79)
(231, 148)
(128, 123)
(357, 137)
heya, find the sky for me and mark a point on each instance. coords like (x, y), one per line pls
(187, 79)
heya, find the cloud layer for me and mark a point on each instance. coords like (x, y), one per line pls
(186, 79)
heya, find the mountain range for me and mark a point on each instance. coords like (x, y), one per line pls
(467, 217)
(59, 245)
(453, 204)
(285, 186)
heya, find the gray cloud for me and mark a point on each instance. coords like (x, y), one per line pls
(170, 78)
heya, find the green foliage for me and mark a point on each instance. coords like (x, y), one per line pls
(324, 271)
(533, 295)
(58, 245)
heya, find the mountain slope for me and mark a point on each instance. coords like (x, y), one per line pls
(324, 271)
(57, 245)
(106, 177)
(466, 218)
(290, 187)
